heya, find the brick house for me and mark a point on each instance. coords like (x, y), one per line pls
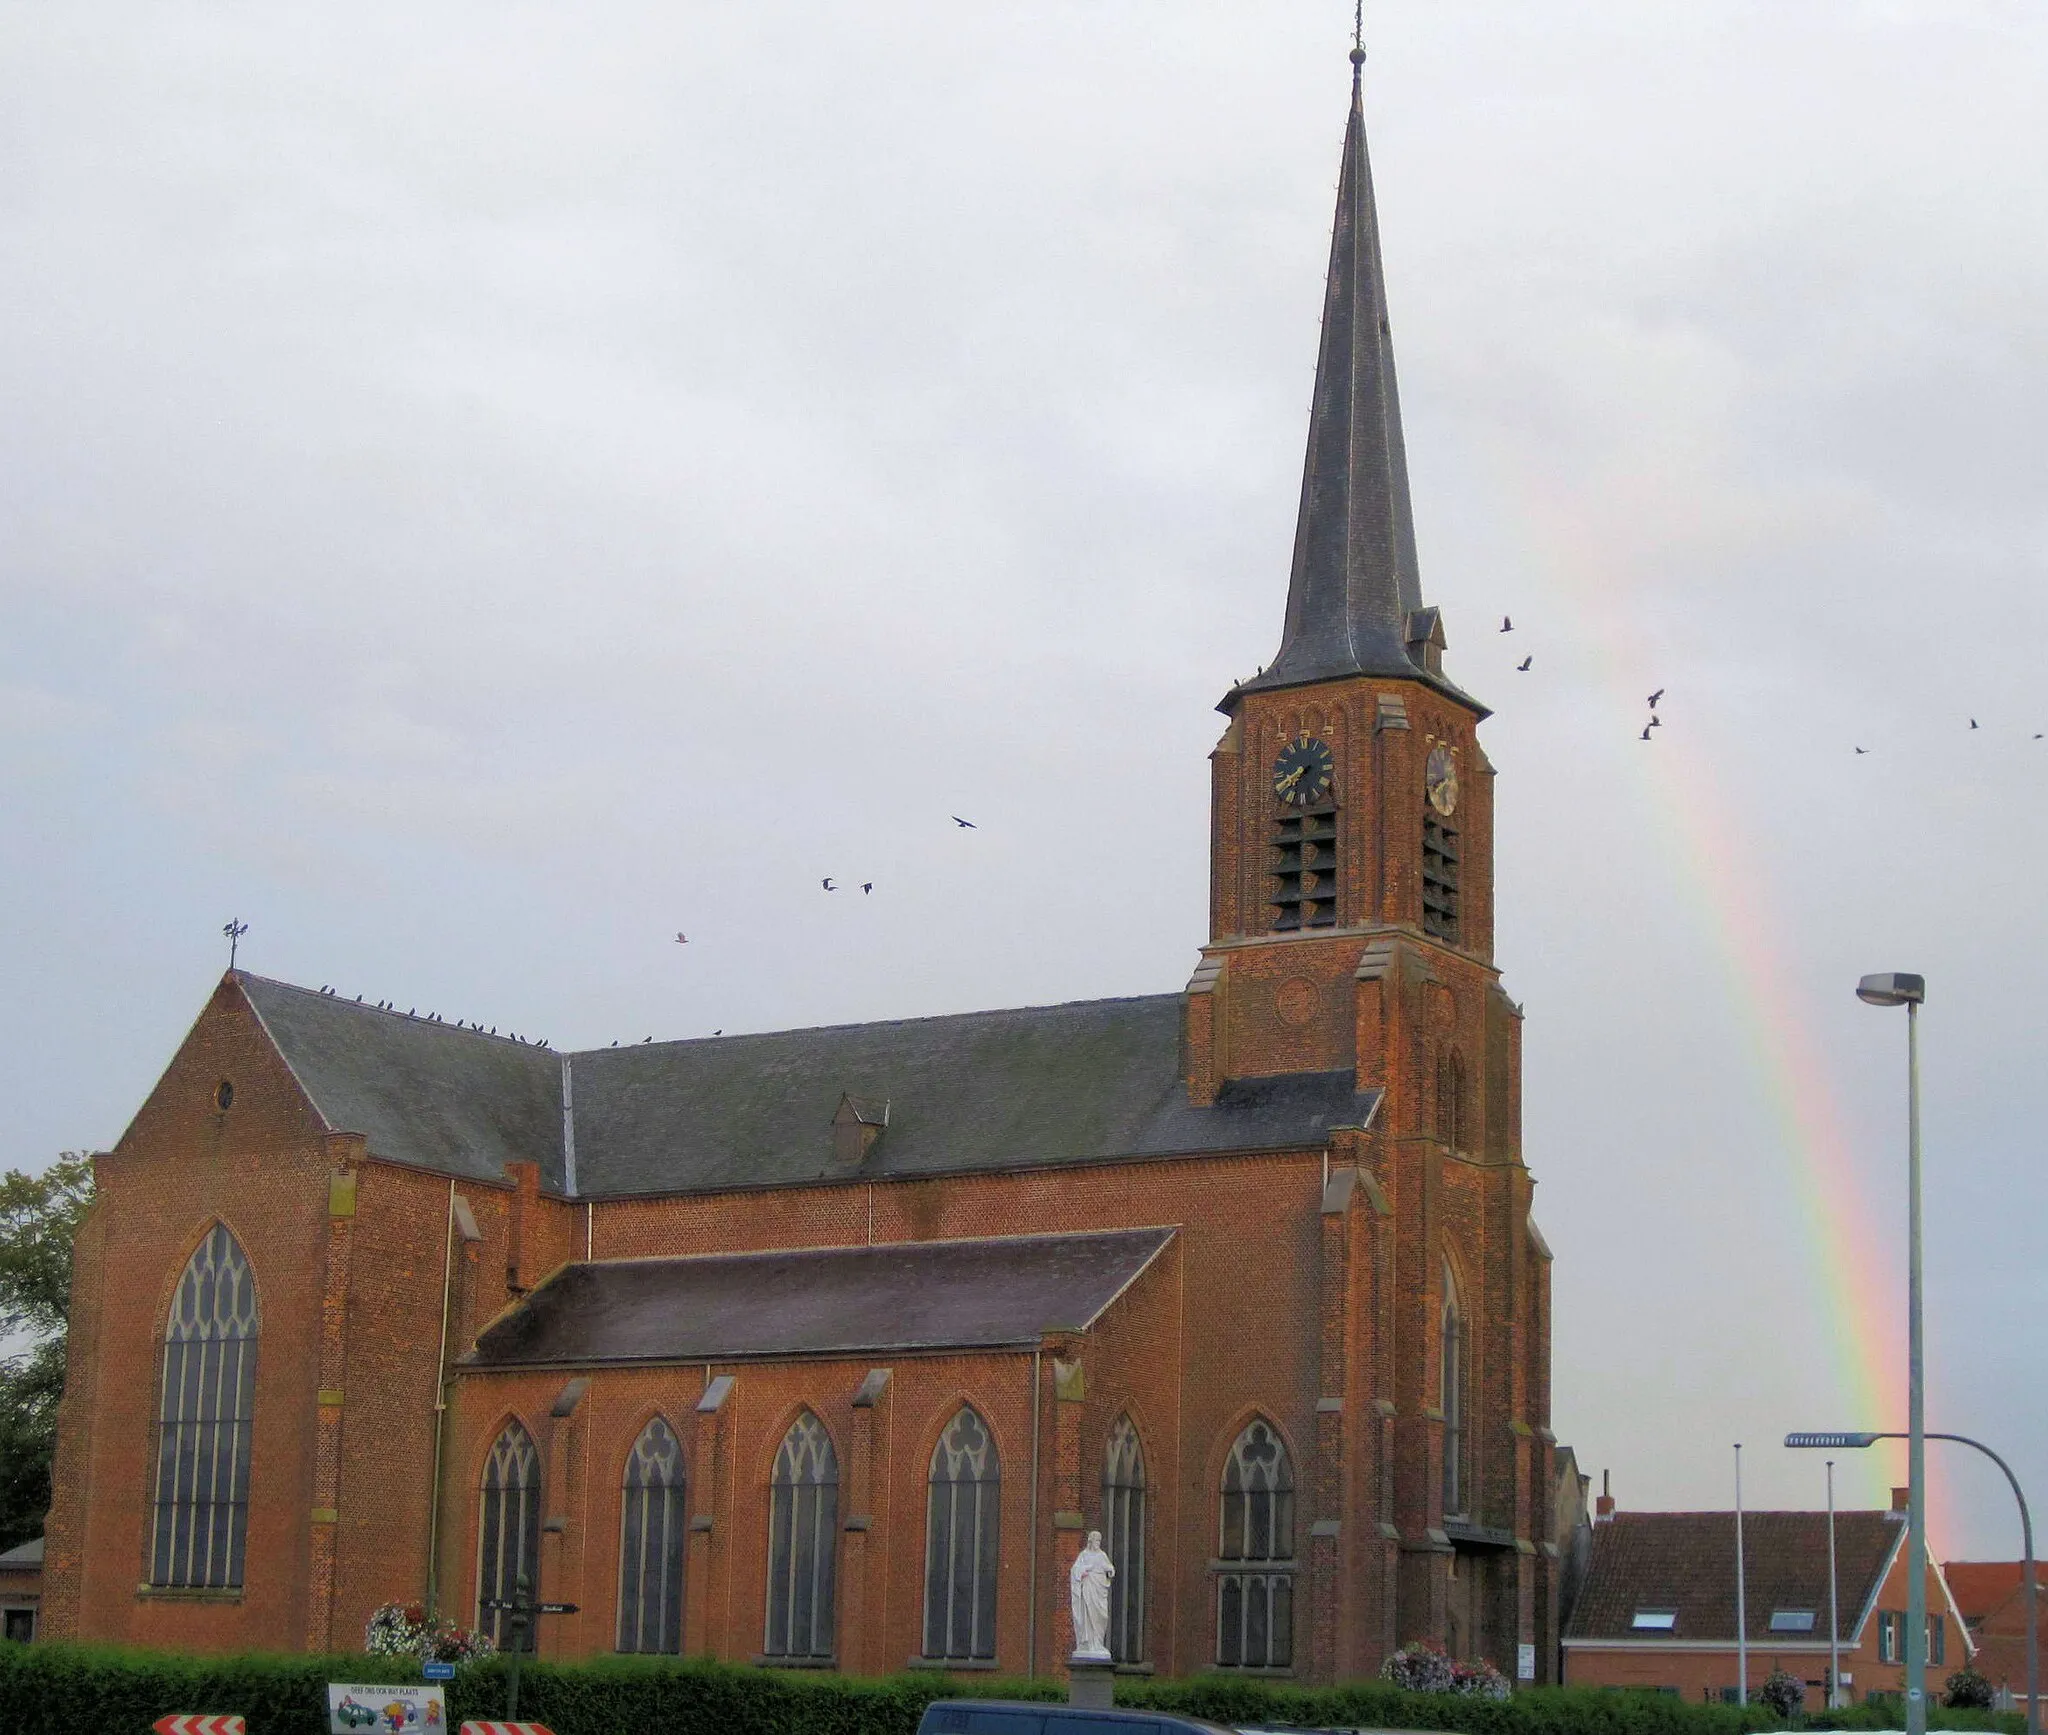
(1657, 1610)
(21, 1591)
(1993, 1601)
(827, 1347)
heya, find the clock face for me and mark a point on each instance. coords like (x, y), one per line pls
(1303, 772)
(1440, 781)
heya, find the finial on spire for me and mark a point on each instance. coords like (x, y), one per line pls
(1354, 601)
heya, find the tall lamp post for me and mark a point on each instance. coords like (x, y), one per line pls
(1856, 1442)
(1895, 988)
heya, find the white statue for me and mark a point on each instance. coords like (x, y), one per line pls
(1088, 1588)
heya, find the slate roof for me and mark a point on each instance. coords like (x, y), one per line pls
(1003, 1292)
(23, 1555)
(1090, 1081)
(1686, 1561)
(1354, 597)
(434, 1095)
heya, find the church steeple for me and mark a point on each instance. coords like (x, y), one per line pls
(1354, 602)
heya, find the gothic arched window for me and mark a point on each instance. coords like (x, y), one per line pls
(1255, 1607)
(1452, 1380)
(204, 1409)
(508, 1536)
(654, 1535)
(803, 1533)
(1123, 1539)
(962, 1524)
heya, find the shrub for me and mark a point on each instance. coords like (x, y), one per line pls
(1783, 1693)
(1966, 1690)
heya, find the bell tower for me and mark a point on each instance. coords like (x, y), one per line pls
(1351, 805)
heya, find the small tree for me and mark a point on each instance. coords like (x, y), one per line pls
(1784, 1693)
(1967, 1690)
(39, 1214)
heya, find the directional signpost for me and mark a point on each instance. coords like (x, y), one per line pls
(520, 1613)
(197, 1725)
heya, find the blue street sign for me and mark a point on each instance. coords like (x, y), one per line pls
(438, 1671)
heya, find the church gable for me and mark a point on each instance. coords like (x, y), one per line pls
(226, 1087)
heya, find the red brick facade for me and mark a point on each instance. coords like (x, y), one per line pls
(1303, 1287)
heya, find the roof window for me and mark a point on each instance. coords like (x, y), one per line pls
(1791, 1620)
(1655, 1620)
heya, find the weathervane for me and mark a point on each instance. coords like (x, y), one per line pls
(234, 932)
(1358, 27)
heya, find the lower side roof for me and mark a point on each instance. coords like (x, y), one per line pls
(996, 1293)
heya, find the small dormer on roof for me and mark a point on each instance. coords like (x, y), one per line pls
(857, 1123)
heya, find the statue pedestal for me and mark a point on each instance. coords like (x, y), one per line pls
(1091, 1681)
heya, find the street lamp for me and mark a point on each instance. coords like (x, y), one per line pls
(1895, 988)
(1856, 1442)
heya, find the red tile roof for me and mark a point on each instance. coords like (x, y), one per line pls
(1685, 1561)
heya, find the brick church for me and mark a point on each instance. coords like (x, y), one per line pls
(826, 1348)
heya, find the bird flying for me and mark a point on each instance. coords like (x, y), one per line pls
(1646, 731)
(1863, 750)
(1656, 698)
(968, 824)
(867, 885)
(1507, 625)
(1973, 722)
(1522, 667)
(1656, 722)
(682, 939)
(828, 885)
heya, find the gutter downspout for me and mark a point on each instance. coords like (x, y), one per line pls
(1031, 1621)
(440, 1411)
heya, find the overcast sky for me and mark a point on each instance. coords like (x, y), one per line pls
(484, 487)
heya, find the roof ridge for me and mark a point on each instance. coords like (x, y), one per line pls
(328, 996)
(878, 1023)
(1168, 1229)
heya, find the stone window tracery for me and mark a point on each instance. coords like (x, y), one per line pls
(803, 1535)
(962, 1527)
(1255, 1604)
(205, 1407)
(653, 1543)
(1123, 1539)
(508, 1535)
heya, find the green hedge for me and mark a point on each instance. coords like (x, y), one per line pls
(98, 1690)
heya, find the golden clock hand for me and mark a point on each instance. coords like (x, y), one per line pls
(1293, 777)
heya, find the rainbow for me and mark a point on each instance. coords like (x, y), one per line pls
(1860, 1298)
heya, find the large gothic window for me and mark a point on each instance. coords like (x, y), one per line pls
(508, 1535)
(653, 1537)
(803, 1531)
(1123, 1539)
(960, 1548)
(1452, 1379)
(1255, 1602)
(204, 1409)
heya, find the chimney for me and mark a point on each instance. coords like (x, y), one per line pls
(1603, 1508)
(1901, 1499)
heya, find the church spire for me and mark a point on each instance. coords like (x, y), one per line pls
(1354, 602)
